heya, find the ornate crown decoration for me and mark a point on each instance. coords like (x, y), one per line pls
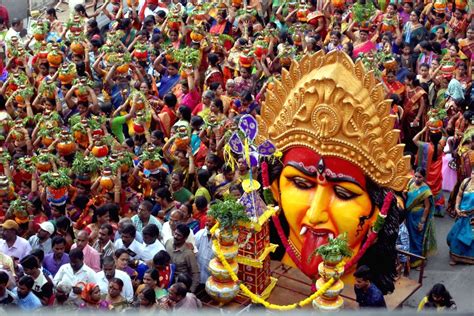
(335, 108)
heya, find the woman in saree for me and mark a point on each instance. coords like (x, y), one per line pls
(465, 162)
(429, 158)
(413, 31)
(419, 222)
(460, 238)
(363, 44)
(414, 111)
(221, 25)
(466, 45)
(392, 85)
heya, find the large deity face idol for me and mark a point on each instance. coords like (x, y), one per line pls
(320, 198)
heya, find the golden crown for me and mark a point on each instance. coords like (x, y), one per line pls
(333, 107)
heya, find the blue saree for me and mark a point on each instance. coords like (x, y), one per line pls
(422, 242)
(461, 236)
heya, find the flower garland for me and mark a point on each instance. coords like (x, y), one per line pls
(257, 299)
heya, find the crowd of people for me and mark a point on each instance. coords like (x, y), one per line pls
(115, 126)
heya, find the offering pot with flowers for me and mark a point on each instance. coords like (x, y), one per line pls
(40, 29)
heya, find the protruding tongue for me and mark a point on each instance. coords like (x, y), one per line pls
(311, 243)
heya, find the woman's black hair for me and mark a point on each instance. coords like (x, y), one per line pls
(196, 120)
(124, 24)
(117, 281)
(435, 138)
(158, 135)
(396, 100)
(440, 291)
(52, 11)
(185, 113)
(164, 193)
(213, 59)
(421, 171)
(81, 69)
(203, 177)
(412, 76)
(81, 9)
(81, 201)
(219, 104)
(214, 86)
(350, 48)
(336, 33)
(149, 295)
(170, 100)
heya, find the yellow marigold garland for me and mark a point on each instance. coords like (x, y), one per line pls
(258, 299)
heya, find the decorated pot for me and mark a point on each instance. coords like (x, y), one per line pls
(196, 36)
(227, 237)
(333, 291)
(82, 93)
(66, 145)
(106, 181)
(81, 138)
(260, 51)
(57, 196)
(245, 60)
(47, 140)
(218, 271)
(18, 97)
(339, 4)
(222, 292)
(151, 165)
(76, 46)
(122, 69)
(84, 178)
(174, 25)
(54, 56)
(328, 272)
(66, 75)
(325, 305)
(132, 4)
(140, 54)
(4, 186)
(302, 14)
(236, 3)
(390, 64)
(76, 24)
(182, 143)
(229, 252)
(43, 166)
(99, 150)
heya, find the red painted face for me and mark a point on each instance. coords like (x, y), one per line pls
(322, 198)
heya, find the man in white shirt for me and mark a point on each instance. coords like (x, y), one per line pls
(150, 238)
(76, 272)
(204, 246)
(108, 273)
(176, 217)
(13, 245)
(127, 241)
(14, 30)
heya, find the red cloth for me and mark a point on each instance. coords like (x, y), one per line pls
(4, 15)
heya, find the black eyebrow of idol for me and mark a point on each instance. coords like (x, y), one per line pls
(315, 174)
(302, 169)
(343, 179)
